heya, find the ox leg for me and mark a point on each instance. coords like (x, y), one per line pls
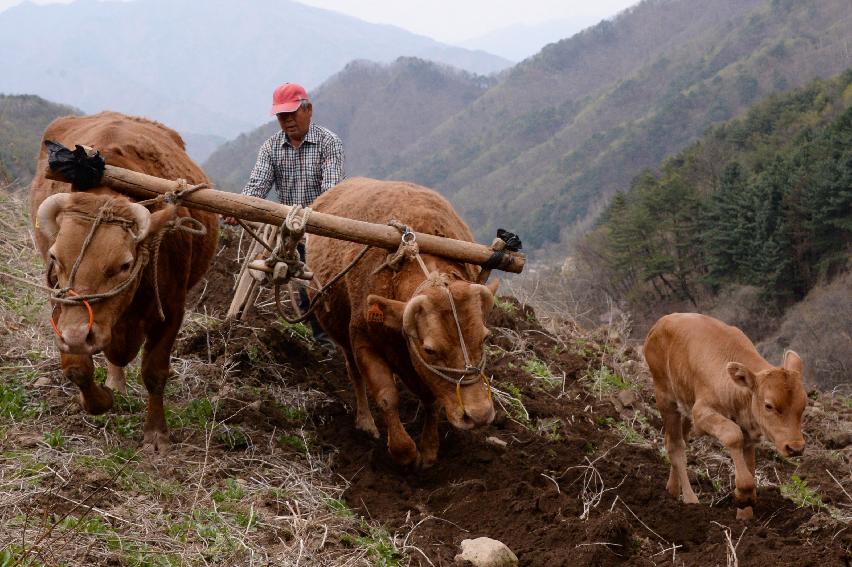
(116, 380)
(363, 416)
(429, 440)
(80, 370)
(380, 379)
(678, 482)
(155, 374)
(731, 436)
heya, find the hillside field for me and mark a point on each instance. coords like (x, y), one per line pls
(267, 468)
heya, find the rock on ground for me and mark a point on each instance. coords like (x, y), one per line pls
(485, 552)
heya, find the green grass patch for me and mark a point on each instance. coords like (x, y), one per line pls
(537, 368)
(232, 492)
(515, 405)
(379, 546)
(16, 403)
(196, 413)
(293, 413)
(233, 438)
(299, 330)
(630, 435)
(505, 306)
(339, 507)
(799, 492)
(603, 381)
(297, 442)
(55, 439)
(125, 425)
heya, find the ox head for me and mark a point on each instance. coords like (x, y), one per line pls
(429, 325)
(778, 400)
(106, 264)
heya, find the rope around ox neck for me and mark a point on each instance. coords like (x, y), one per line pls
(468, 375)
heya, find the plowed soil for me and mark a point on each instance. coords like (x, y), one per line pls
(569, 487)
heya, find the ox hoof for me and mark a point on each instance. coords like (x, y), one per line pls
(690, 499)
(368, 426)
(96, 401)
(405, 457)
(425, 461)
(156, 442)
(746, 513)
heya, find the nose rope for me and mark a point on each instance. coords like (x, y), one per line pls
(470, 374)
(67, 295)
(88, 308)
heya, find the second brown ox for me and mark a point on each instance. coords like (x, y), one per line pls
(117, 259)
(391, 324)
(708, 375)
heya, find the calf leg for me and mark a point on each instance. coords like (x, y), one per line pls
(155, 374)
(80, 369)
(678, 482)
(429, 437)
(379, 376)
(363, 416)
(731, 436)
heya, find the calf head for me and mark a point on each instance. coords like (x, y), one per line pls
(430, 326)
(107, 263)
(778, 400)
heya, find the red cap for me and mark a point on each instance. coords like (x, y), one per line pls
(288, 97)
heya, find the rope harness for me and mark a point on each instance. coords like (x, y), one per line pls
(106, 215)
(287, 265)
(471, 373)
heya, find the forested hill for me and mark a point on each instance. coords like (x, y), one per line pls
(378, 110)
(23, 119)
(764, 201)
(569, 127)
(561, 132)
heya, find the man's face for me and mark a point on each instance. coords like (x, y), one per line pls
(295, 124)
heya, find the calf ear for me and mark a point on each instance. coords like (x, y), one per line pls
(387, 312)
(741, 375)
(792, 361)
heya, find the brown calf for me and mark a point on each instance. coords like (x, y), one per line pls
(708, 375)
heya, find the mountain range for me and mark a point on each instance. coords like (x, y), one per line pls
(544, 147)
(205, 67)
(378, 109)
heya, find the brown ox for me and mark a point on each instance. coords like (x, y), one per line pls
(708, 374)
(387, 324)
(121, 323)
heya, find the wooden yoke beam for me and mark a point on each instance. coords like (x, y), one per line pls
(142, 186)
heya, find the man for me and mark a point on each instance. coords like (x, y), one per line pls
(303, 160)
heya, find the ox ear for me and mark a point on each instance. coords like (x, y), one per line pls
(387, 312)
(792, 361)
(741, 375)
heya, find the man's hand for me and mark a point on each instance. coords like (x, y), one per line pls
(229, 221)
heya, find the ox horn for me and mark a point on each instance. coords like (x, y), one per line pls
(48, 211)
(142, 216)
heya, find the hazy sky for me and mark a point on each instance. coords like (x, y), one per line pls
(455, 20)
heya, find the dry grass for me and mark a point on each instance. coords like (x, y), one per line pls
(75, 490)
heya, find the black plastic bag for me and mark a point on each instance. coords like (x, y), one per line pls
(82, 170)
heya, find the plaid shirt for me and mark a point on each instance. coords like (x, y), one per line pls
(300, 174)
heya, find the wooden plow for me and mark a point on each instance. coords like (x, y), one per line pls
(256, 210)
